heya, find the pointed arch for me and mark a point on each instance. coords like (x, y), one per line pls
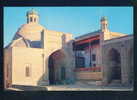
(115, 64)
(55, 59)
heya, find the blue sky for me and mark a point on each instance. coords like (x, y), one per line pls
(75, 20)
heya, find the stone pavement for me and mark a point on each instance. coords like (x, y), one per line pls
(87, 88)
(73, 87)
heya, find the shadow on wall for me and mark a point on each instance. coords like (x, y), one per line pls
(58, 62)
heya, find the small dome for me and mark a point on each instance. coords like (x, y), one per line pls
(32, 12)
(31, 31)
(103, 18)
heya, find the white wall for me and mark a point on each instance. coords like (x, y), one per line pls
(22, 56)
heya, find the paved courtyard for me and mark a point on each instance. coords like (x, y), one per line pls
(73, 87)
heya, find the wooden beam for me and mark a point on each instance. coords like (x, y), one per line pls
(87, 40)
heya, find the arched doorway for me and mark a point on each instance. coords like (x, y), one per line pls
(54, 62)
(115, 64)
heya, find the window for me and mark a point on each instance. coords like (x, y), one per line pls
(30, 19)
(27, 71)
(34, 19)
(94, 57)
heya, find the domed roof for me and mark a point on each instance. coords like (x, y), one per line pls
(103, 18)
(32, 12)
(30, 31)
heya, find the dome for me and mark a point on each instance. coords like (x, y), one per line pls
(30, 31)
(32, 12)
(103, 18)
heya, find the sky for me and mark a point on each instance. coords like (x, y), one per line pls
(75, 20)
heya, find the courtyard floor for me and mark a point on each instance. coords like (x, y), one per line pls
(73, 87)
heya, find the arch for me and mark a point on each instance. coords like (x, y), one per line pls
(54, 61)
(114, 64)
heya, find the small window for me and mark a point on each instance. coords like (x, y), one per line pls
(30, 19)
(27, 71)
(94, 57)
(34, 19)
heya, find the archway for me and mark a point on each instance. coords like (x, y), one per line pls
(54, 61)
(115, 64)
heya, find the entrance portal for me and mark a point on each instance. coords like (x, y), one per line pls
(55, 61)
(115, 61)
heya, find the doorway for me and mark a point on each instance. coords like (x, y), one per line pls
(55, 60)
(115, 61)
